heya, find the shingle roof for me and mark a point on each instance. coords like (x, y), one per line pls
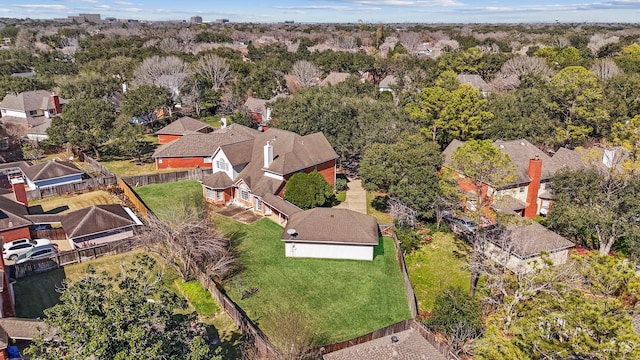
(12, 214)
(291, 153)
(205, 144)
(28, 101)
(329, 225)
(508, 204)
(255, 105)
(96, 219)
(474, 80)
(184, 125)
(389, 81)
(21, 329)
(15, 165)
(238, 153)
(281, 205)
(530, 239)
(51, 169)
(40, 129)
(218, 180)
(334, 78)
(410, 346)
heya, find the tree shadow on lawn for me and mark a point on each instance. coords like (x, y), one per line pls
(35, 293)
(380, 203)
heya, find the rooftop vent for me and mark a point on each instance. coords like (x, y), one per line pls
(394, 339)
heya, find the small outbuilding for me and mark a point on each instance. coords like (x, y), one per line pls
(99, 224)
(329, 233)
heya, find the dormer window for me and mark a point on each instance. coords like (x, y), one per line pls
(33, 112)
(222, 165)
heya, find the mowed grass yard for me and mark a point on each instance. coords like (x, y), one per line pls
(64, 204)
(338, 299)
(436, 265)
(163, 198)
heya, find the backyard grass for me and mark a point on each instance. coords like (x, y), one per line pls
(64, 204)
(338, 299)
(124, 168)
(163, 198)
(341, 196)
(198, 296)
(436, 265)
(377, 207)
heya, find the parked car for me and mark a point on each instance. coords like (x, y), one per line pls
(13, 249)
(38, 252)
(462, 223)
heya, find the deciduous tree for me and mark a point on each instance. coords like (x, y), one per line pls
(307, 191)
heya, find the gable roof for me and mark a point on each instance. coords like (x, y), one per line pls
(205, 144)
(530, 239)
(96, 219)
(335, 226)
(474, 80)
(50, 170)
(28, 101)
(388, 81)
(291, 153)
(256, 105)
(184, 125)
(520, 151)
(218, 180)
(334, 78)
(12, 214)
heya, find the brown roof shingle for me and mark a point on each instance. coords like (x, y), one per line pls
(205, 144)
(185, 125)
(28, 101)
(12, 214)
(530, 239)
(96, 219)
(51, 169)
(330, 225)
(218, 180)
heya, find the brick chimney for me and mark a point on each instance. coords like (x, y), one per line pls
(55, 100)
(19, 191)
(534, 172)
(268, 155)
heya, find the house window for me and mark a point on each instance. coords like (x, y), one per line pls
(160, 161)
(222, 165)
(543, 186)
(33, 112)
(244, 194)
(211, 194)
(52, 112)
(220, 195)
(258, 204)
(208, 160)
(522, 189)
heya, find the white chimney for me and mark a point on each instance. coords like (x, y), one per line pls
(268, 155)
(124, 87)
(223, 122)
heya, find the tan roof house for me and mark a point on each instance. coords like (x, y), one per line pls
(476, 82)
(30, 109)
(329, 233)
(99, 224)
(180, 127)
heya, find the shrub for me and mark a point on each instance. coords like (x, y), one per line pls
(307, 191)
(341, 184)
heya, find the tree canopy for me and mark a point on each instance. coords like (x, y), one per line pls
(307, 191)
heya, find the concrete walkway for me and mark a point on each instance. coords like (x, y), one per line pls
(356, 197)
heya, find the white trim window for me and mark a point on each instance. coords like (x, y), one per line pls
(220, 195)
(222, 165)
(211, 194)
(258, 204)
(244, 194)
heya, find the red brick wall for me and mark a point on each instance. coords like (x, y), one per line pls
(182, 163)
(17, 233)
(228, 196)
(163, 139)
(3, 354)
(327, 170)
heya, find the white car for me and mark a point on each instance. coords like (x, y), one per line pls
(15, 248)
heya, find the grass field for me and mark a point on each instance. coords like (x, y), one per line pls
(439, 264)
(377, 207)
(69, 203)
(338, 299)
(163, 198)
(198, 296)
(125, 168)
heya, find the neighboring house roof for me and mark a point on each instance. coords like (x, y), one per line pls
(205, 144)
(508, 204)
(40, 129)
(530, 239)
(256, 105)
(474, 80)
(14, 165)
(388, 81)
(335, 226)
(19, 329)
(28, 101)
(50, 170)
(12, 214)
(520, 151)
(334, 78)
(96, 219)
(184, 125)
(410, 345)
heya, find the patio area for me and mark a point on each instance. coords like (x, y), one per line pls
(245, 216)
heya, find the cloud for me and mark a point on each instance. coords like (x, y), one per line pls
(327, 7)
(132, 9)
(598, 6)
(103, 7)
(123, 3)
(405, 3)
(41, 6)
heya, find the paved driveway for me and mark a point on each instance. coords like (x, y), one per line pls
(356, 197)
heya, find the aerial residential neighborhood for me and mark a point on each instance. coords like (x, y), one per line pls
(302, 187)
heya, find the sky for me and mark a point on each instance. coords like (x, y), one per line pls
(337, 11)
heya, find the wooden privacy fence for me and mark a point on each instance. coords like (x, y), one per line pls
(385, 229)
(95, 165)
(160, 178)
(134, 198)
(63, 189)
(408, 288)
(254, 335)
(73, 257)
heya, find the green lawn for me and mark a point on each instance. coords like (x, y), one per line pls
(124, 168)
(164, 198)
(338, 299)
(198, 296)
(377, 207)
(436, 265)
(67, 203)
